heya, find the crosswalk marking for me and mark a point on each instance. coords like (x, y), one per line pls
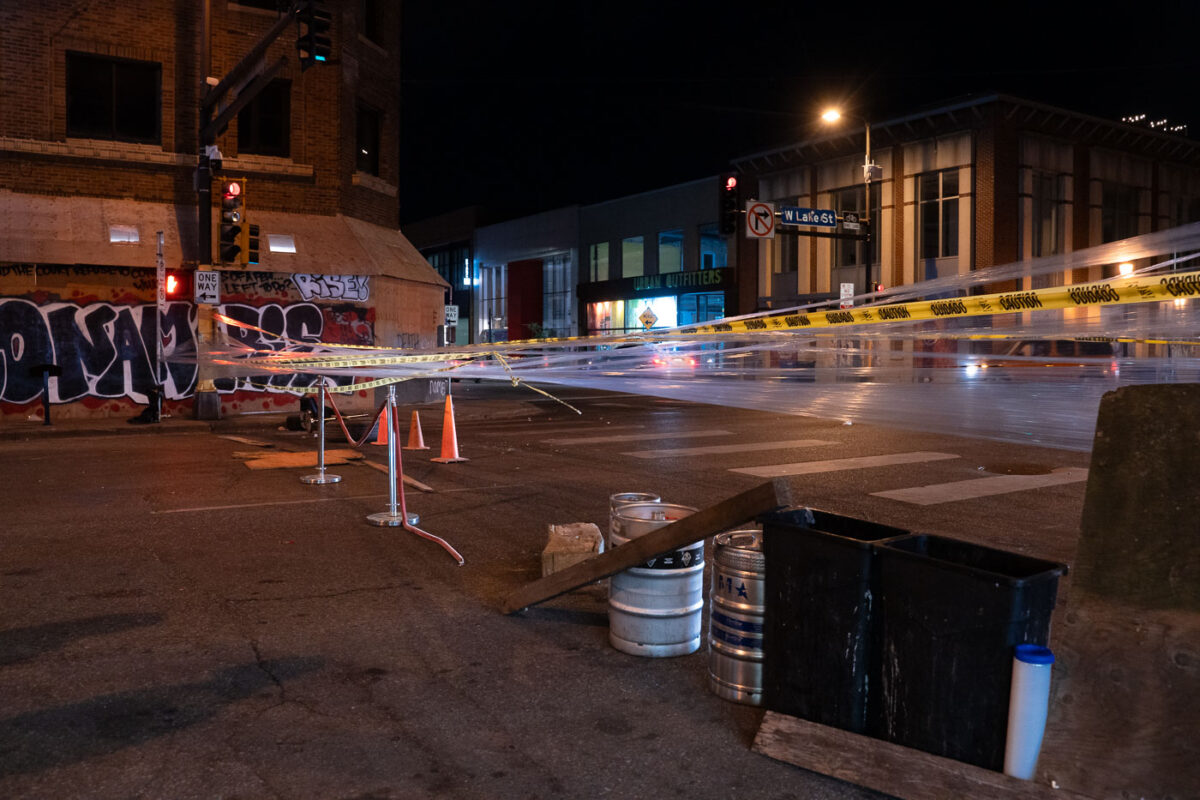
(982, 487)
(565, 429)
(838, 464)
(635, 437)
(716, 449)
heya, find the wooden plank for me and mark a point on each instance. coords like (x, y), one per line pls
(886, 767)
(247, 440)
(706, 522)
(408, 479)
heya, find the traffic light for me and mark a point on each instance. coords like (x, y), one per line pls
(313, 42)
(731, 206)
(177, 284)
(231, 220)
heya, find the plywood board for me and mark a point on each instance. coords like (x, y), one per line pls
(309, 459)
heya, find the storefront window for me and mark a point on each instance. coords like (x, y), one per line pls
(606, 316)
(701, 307)
(670, 251)
(664, 310)
(713, 252)
(633, 262)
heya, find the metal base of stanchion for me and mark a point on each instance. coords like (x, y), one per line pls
(321, 478)
(386, 519)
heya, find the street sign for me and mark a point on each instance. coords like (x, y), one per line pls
(451, 316)
(847, 297)
(821, 217)
(760, 220)
(648, 317)
(850, 221)
(208, 286)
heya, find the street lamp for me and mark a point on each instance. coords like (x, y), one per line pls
(870, 170)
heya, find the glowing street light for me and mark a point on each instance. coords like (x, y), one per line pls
(1125, 268)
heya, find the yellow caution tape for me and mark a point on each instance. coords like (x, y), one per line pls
(1114, 291)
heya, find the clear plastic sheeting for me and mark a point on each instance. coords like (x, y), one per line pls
(1034, 376)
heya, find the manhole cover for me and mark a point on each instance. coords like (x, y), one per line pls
(1017, 468)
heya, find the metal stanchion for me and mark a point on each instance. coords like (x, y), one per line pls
(320, 476)
(391, 518)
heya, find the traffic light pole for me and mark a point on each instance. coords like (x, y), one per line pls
(212, 122)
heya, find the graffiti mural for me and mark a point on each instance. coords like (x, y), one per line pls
(104, 350)
(108, 351)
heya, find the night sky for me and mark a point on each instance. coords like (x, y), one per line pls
(527, 106)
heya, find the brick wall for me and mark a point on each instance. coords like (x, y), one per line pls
(318, 178)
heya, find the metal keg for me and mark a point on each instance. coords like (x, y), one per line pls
(654, 608)
(619, 499)
(735, 625)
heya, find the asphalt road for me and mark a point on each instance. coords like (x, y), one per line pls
(178, 625)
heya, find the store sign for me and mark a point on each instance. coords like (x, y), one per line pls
(705, 278)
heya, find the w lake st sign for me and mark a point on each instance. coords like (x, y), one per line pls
(820, 217)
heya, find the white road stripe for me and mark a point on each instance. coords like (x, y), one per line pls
(635, 437)
(982, 487)
(749, 447)
(838, 464)
(562, 429)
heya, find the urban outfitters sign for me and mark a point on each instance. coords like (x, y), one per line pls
(675, 281)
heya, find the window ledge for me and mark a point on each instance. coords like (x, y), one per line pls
(267, 165)
(97, 149)
(368, 181)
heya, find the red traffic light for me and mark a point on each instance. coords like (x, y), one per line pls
(731, 183)
(232, 189)
(172, 284)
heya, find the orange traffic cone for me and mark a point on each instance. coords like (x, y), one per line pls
(381, 436)
(415, 440)
(449, 437)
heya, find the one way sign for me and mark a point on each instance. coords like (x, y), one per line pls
(760, 220)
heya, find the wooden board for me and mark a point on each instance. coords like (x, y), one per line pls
(886, 767)
(411, 481)
(707, 522)
(247, 440)
(309, 459)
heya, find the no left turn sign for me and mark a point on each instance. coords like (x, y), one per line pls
(760, 220)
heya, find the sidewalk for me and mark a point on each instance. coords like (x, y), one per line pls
(472, 402)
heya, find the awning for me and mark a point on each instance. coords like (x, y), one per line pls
(41, 229)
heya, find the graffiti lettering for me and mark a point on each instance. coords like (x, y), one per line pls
(333, 287)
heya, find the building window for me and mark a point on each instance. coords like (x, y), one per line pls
(598, 262)
(109, 98)
(366, 143)
(713, 248)
(1049, 214)
(937, 213)
(264, 125)
(670, 251)
(633, 261)
(557, 292)
(852, 252)
(1119, 208)
(493, 304)
(373, 21)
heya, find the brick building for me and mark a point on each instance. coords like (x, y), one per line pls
(99, 145)
(987, 180)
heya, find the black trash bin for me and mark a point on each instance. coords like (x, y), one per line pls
(949, 615)
(818, 614)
